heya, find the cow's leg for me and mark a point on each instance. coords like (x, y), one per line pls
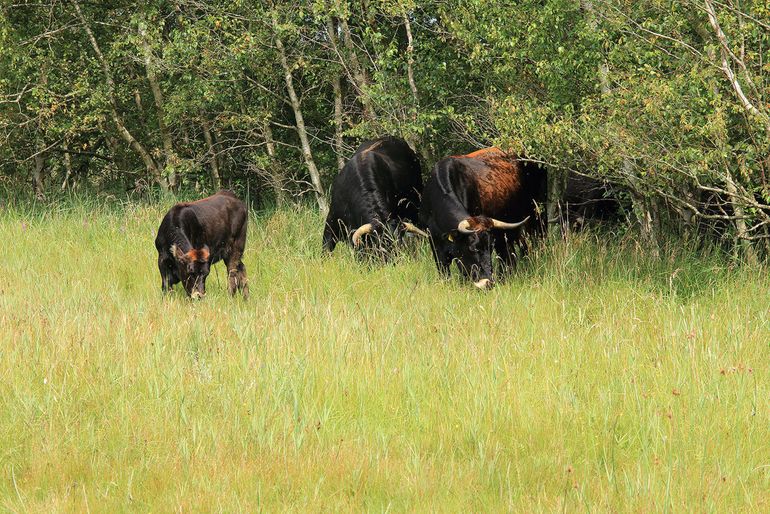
(166, 275)
(168, 279)
(165, 286)
(236, 273)
(329, 238)
(243, 283)
(443, 260)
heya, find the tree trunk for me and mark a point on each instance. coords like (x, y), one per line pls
(646, 213)
(414, 139)
(138, 102)
(269, 142)
(410, 63)
(212, 151)
(40, 149)
(338, 105)
(358, 73)
(37, 173)
(275, 177)
(757, 109)
(67, 167)
(149, 162)
(603, 71)
(742, 243)
(557, 185)
(338, 121)
(315, 176)
(647, 216)
(157, 94)
(216, 137)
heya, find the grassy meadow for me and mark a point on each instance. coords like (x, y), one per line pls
(596, 379)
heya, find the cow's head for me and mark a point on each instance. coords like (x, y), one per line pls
(473, 240)
(193, 267)
(393, 228)
(376, 239)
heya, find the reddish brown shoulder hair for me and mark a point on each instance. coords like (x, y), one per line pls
(500, 181)
(484, 152)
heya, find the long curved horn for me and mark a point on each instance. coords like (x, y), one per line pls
(465, 227)
(360, 231)
(504, 225)
(413, 229)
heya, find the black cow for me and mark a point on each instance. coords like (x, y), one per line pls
(588, 199)
(464, 202)
(376, 195)
(193, 236)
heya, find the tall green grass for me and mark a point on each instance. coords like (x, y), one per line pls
(596, 378)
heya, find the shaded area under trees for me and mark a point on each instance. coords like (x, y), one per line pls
(668, 106)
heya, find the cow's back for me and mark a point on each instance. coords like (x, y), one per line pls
(216, 221)
(381, 181)
(503, 186)
(221, 215)
(395, 160)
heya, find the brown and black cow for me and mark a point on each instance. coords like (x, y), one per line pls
(195, 235)
(483, 200)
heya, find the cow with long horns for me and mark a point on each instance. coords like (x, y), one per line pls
(193, 236)
(376, 196)
(478, 202)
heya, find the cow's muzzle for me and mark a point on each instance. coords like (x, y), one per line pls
(484, 283)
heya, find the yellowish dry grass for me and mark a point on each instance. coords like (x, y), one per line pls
(595, 379)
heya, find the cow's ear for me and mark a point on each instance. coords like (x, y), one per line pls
(178, 254)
